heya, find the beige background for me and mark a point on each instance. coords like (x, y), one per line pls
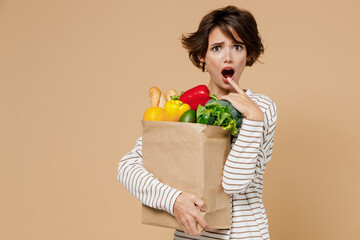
(74, 84)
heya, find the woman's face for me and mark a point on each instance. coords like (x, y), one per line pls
(224, 58)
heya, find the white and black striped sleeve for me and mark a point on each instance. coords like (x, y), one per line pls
(239, 168)
(271, 117)
(142, 184)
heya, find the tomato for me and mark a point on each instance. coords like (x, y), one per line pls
(154, 114)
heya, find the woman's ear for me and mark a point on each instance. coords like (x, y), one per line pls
(200, 58)
(248, 58)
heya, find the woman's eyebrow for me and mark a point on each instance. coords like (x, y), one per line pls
(222, 43)
(217, 43)
(238, 42)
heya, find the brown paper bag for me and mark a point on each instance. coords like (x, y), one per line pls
(189, 157)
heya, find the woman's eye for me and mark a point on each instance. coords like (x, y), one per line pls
(238, 47)
(216, 48)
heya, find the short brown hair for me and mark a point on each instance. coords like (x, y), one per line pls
(243, 23)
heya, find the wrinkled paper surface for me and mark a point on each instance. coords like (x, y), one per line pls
(189, 157)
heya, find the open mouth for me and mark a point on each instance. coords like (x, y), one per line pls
(227, 72)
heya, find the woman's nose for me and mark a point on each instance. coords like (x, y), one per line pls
(228, 57)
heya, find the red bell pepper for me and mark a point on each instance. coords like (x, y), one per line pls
(195, 96)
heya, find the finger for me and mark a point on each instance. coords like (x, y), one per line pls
(202, 222)
(200, 203)
(224, 97)
(227, 98)
(235, 85)
(193, 228)
(186, 227)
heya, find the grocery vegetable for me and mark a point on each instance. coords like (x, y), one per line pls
(195, 96)
(174, 109)
(170, 93)
(235, 114)
(162, 100)
(205, 116)
(213, 113)
(188, 116)
(154, 114)
(183, 108)
(155, 95)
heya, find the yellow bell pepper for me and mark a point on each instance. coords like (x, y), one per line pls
(183, 108)
(174, 109)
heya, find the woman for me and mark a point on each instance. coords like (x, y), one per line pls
(226, 41)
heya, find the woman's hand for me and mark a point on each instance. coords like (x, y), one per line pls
(243, 103)
(187, 213)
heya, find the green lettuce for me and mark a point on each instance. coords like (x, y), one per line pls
(213, 113)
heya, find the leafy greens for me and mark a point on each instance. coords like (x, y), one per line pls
(213, 113)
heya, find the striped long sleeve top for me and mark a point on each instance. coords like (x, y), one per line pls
(243, 172)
